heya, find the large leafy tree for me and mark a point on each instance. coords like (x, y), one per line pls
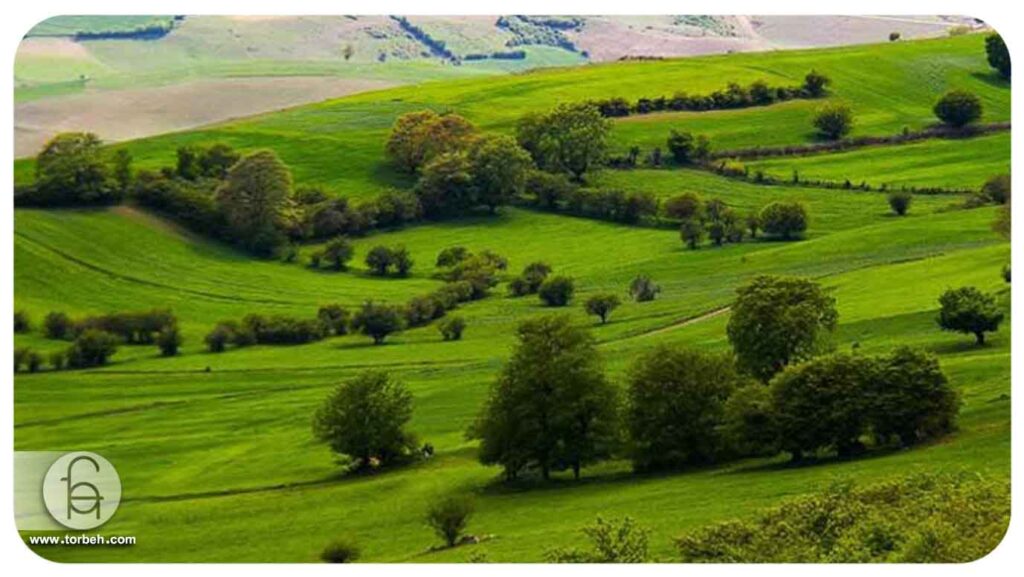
(446, 186)
(251, 199)
(365, 419)
(72, 169)
(499, 167)
(676, 399)
(777, 320)
(377, 321)
(418, 137)
(968, 310)
(572, 138)
(551, 407)
(912, 398)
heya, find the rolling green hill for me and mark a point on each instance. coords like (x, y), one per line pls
(215, 451)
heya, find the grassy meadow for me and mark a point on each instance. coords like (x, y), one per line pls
(215, 451)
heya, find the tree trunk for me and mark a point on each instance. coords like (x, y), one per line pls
(576, 470)
(980, 336)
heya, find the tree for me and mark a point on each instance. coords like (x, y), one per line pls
(335, 317)
(681, 145)
(615, 541)
(71, 169)
(499, 167)
(122, 170)
(365, 419)
(448, 517)
(749, 427)
(377, 321)
(445, 186)
(833, 120)
(548, 189)
(215, 161)
(997, 188)
(900, 202)
(675, 406)
(401, 260)
(92, 348)
(683, 206)
(556, 291)
(570, 139)
(451, 328)
(337, 253)
(168, 340)
(551, 407)
(217, 339)
(968, 310)
(187, 166)
(57, 325)
(452, 256)
(379, 260)
(784, 219)
(998, 55)
(691, 231)
(601, 305)
(643, 289)
(753, 222)
(778, 320)
(911, 398)
(823, 403)
(418, 137)
(958, 108)
(251, 198)
(22, 324)
(815, 84)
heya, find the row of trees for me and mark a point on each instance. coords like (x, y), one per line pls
(758, 93)
(720, 223)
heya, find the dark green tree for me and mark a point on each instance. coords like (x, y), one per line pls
(970, 311)
(911, 398)
(833, 120)
(998, 55)
(570, 139)
(601, 305)
(499, 167)
(958, 108)
(72, 169)
(251, 199)
(786, 220)
(556, 291)
(377, 321)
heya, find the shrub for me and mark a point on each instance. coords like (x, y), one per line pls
(602, 305)
(777, 320)
(58, 359)
(686, 149)
(551, 407)
(379, 260)
(958, 108)
(401, 260)
(815, 83)
(34, 361)
(168, 340)
(997, 189)
(937, 518)
(833, 120)
(900, 201)
(134, 327)
(968, 310)
(453, 293)
(344, 550)
(643, 289)
(21, 322)
(218, 338)
(451, 329)
(784, 219)
(377, 321)
(279, 330)
(451, 256)
(676, 399)
(337, 253)
(57, 325)
(691, 231)
(615, 541)
(335, 318)
(556, 291)
(423, 309)
(20, 357)
(997, 54)
(683, 207)
(364, 419)
(449, 516)
(549, 190)
(92, 348)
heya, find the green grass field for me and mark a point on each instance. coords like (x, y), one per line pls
(215, 451)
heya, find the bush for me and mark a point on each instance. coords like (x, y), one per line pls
(379, 260)
(686, 149)
(936, 518)
(777, 320)
(691, 231)
(423, 309)
(958, 108)
(337, 253)
(643, 289)
(57, 325)
(335, 318)
(57, 360)
(92, 348)
(833, 120)
(135, 327)
(556, 291)
(218, 338)
(20, 357)
(683, 207)
(815, 84)
(900, 201)
(365, 419)
(341, 551)
(401, 260)
(452, 256)
(602, 305)
(676, 399)
(970, 311)
(279, 330)
(34, 361)
(549, 190)
(453, 293)
(451, 329)
(168, 340)
(21, 322)
(448, 517)
(616, 541)
(784, 219)
(997, 189)
(377, 321)
(997, 54)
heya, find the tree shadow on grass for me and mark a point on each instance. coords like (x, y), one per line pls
(992, 78)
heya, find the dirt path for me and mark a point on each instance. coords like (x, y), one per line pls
(687, 322)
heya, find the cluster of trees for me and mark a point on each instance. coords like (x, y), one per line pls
(715, 220)
(382, 260)
(466, 273)
(72, 169)
(458, 168)
(571, 139)
(90, 348)
(269, 330)
(758, 93)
